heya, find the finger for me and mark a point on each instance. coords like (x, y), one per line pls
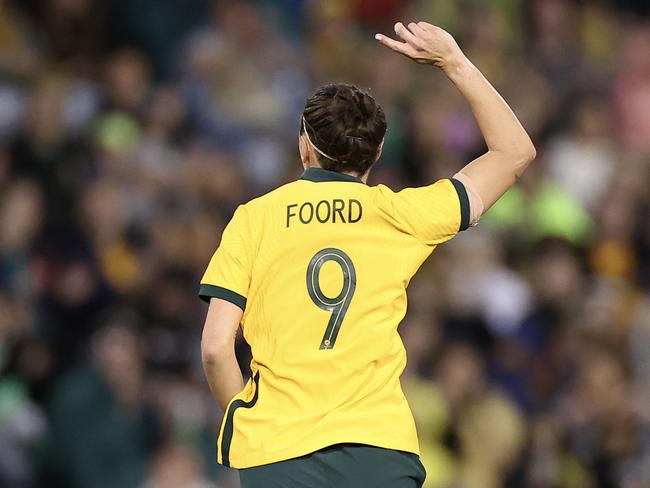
(416, 29)
(430, 29)
(406, 35)
(397, 46)
(400, 47)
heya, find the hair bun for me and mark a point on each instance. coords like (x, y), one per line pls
(347, 124)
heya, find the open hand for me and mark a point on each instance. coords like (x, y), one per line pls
(423, 42)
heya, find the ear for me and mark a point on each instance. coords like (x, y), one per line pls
(380, 149)
(303, 147)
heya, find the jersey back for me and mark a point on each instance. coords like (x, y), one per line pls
(320, 267)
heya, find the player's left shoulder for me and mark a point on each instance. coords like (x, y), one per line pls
(260, 211)
(269, 199)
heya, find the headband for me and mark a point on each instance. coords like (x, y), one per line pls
(323, 153)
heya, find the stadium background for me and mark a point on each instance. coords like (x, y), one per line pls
(130, 130)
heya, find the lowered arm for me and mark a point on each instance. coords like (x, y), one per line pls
(218, 351)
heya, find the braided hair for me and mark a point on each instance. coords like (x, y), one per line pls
(345, 123)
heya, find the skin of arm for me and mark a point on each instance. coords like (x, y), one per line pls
(218, 351)
(510, 149)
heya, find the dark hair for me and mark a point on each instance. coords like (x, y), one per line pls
(347, 124)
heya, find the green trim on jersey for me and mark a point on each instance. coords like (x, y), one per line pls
(206, 292)
(464, 203)
(319, 174)
(228, 427)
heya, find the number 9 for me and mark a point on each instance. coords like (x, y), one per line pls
(338, 305)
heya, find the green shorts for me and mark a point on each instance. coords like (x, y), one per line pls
(340, 466)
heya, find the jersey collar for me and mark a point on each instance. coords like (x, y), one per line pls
(320, 174)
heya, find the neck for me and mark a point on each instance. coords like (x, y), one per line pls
(363, 177)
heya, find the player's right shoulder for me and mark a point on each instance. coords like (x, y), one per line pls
(382, 197)
(381, 191)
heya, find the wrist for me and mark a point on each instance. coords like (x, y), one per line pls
(456, 65)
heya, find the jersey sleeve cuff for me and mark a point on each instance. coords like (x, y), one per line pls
(464, 203)
(206, 292)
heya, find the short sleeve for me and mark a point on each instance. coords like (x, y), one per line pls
(434, 213)
(229, 271)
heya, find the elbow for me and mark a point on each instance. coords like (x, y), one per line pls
(524, 155)
(209, 357)
(530, 153)
(215, 351)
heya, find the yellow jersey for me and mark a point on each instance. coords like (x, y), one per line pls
(320, 267)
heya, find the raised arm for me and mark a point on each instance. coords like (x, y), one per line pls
(510, 150)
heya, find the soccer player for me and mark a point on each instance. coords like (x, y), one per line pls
(316, 274)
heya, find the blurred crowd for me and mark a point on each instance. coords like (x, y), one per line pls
(131, 130)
